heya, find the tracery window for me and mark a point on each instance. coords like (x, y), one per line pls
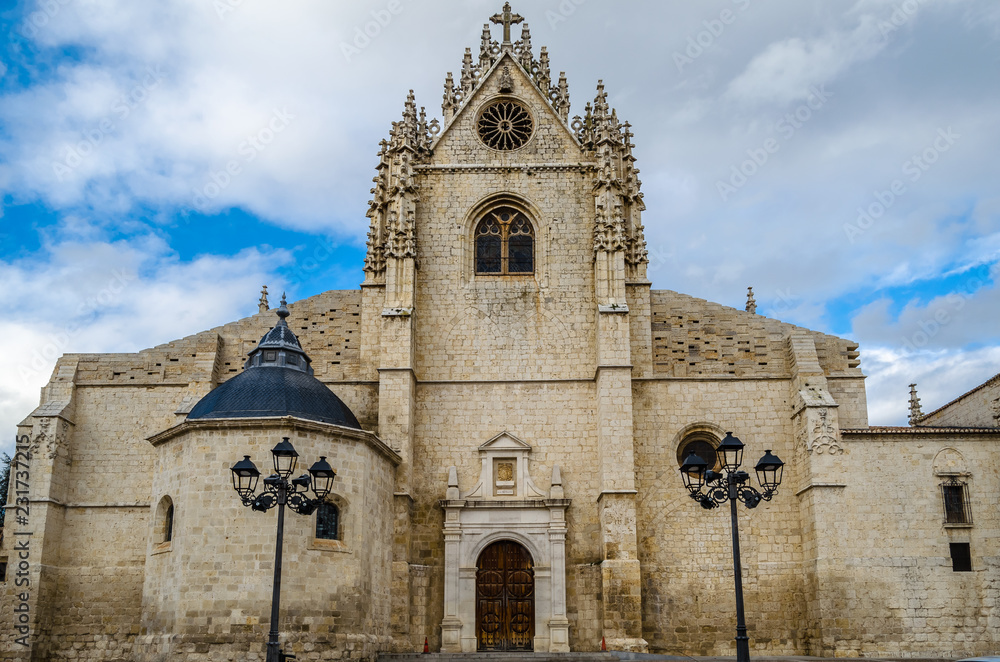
(505, 243)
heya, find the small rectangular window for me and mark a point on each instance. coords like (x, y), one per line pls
(956, 502)
(328, 522)
(961, 557)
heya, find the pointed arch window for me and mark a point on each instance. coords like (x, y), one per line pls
(505, 243)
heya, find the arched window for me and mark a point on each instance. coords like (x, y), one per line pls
(168, 525)
(164, 531)
(327, 522)
(505, 243)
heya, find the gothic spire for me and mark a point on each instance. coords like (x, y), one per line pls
(915, 413)
(751, 302)
(262, 305)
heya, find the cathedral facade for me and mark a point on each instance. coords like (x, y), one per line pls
(507, 403)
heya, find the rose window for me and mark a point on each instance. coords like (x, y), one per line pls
(505, 125)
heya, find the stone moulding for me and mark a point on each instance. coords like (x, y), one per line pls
(276, 422)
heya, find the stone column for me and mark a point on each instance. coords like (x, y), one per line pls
(34, 520)
(451, 625)
(819, 451)
(558, 623)
(397, 400)
(620, 572)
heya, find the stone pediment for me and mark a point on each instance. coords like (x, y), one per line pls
(504, 474)
(508, 78)
(505, 441)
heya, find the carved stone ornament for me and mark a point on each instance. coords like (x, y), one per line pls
(51, 437)
(995, 408)
(506, 80)
(822, 435)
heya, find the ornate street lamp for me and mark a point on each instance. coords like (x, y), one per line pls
(279, 491)
(731, 485)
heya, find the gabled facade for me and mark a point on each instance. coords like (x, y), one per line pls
(524, 400)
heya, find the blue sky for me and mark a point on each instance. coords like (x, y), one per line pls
(839, 157)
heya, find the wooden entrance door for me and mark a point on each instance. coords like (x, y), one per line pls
(505, 598)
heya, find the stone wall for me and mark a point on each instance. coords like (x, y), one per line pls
(886, 583)
(207, 591)
(693, 337)
(686, 551)
(979, 408)
(557, 419)
(482, 327)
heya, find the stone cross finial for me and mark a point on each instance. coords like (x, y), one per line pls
(507, 18)
(915, 413)
(262, 305)
(751, 302)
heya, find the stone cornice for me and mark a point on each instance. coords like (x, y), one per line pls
(451, 168)
(272, 422)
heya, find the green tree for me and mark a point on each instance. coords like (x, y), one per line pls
(4, 484)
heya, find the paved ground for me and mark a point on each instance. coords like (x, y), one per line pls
(617, 656)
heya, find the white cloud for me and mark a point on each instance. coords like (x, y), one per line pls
(782, 233)
(99, 296)
(788, 70)
(941, 376)
(968, 315)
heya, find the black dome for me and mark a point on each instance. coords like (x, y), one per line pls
(276, 381)
(259, 392)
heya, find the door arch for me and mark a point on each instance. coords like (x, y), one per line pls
(505, 598)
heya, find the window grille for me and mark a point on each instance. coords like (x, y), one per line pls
(956, 502)
(327, 522)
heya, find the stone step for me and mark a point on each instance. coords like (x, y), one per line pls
(497, 657)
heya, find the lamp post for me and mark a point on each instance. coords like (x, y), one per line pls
(731, 485)
(280, 491)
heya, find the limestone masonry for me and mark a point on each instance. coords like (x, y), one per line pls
(524, 401)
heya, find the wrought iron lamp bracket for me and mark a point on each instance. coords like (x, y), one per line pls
(280, 491)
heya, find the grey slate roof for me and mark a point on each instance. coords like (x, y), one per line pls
(279, 385)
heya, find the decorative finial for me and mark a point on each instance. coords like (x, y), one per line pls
(915, 413)
(283, 309)
(751, 302)
(262, 305)
(507, 19)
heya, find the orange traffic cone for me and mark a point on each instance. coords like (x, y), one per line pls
(604, 646)
(426, 647)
